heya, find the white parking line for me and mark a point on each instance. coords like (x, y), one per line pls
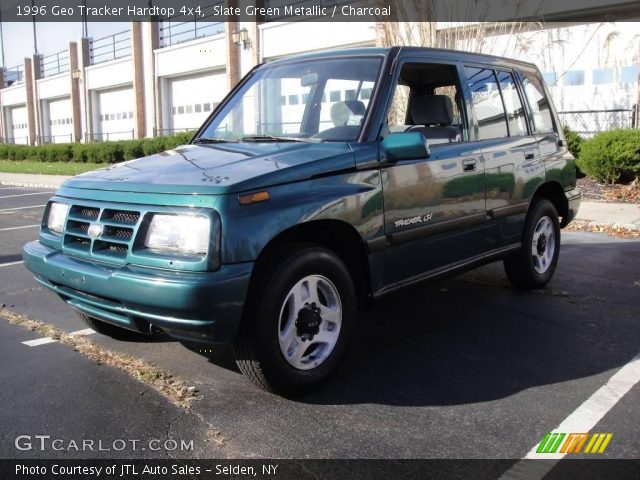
(44, 340)
(26, 194)
(82, 333)
(10, 264)
(38, 341)
(583, 419)
(18, 228)
(21, 208)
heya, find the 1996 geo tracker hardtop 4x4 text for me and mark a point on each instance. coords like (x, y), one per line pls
(320, 183)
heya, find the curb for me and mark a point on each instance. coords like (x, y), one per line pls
(595, 224)
(29, 185)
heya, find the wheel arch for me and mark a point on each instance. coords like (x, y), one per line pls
(336, 235)
(553, 192)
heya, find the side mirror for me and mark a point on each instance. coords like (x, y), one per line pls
(405, 146)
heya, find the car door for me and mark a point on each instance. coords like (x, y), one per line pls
(509, 150)
(435, 206)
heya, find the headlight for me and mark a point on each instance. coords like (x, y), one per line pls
(57, 216)
(179, 233)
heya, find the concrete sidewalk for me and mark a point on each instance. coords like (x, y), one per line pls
(599, 214)
(31, 180)
(625, 215)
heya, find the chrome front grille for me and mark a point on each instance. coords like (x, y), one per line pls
(103, 233)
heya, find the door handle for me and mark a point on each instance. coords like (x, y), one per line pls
(469, 165)
(528, 156)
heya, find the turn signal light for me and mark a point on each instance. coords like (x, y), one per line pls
(253, 198)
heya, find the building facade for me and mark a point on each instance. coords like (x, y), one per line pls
(158, 78)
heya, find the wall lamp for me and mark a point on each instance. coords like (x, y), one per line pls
(241, 37)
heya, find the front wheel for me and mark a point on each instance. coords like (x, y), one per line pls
(534, 265)
(298, 322)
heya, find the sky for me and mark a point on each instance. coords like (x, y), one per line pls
(52, 37)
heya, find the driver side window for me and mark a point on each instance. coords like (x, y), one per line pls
(427, 100)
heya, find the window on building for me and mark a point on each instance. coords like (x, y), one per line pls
(335, 96)
(550, 78)
(601, 76)
(629, 74)
(283, 100)
(180, 109)
(487, 103)
(538, 103)
(189, 109)
(207, 107)
(293, 100)
(305, 98)
(574, 78)
(350, 95)
(365, 94)
(513, 105)
(198, 107)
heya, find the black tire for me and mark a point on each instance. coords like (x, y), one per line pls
(521, 268)
(107, 329)
(257, 348)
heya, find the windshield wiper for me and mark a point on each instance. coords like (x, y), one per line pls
(271, 138)
(209, 140)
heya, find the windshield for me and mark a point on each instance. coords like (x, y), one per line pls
(315, 100)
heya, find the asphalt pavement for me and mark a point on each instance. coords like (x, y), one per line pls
(461, 368)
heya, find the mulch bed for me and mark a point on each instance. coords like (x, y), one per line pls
(592, 191)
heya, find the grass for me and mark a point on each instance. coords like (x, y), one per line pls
(47, 168)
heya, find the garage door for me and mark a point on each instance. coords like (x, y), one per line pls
(192, 98)
(115, 114)
(60, 121)
(19, 124)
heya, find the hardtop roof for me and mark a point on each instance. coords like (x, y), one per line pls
(437, 53)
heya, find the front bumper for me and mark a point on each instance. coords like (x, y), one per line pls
(573, 198)
(192, 306)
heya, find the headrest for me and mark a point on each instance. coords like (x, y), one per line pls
(432, 110)
(342, 111)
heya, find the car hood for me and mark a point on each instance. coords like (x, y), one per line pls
(219, 168)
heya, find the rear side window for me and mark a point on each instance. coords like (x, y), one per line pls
(538, 103)
(513, 105)
(487, 103)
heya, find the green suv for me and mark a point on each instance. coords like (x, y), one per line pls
(319, 184)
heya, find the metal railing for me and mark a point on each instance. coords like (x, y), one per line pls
(162, 132)
(13, 75)
(108, 136)
(111, 47)
(48, 139)
(589, 122)
(55, 64)
(174, 32)
(15, 140)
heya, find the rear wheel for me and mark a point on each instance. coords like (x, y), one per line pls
(106, 328)
(299, 321)
(534, 265)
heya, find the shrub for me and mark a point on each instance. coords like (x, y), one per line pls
(612, 156)
(574, 141)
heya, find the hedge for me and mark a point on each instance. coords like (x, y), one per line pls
(612, 156)
(94, 152)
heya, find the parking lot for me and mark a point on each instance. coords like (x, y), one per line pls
(462, 368)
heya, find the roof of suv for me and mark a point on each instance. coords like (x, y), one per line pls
(434, 52)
